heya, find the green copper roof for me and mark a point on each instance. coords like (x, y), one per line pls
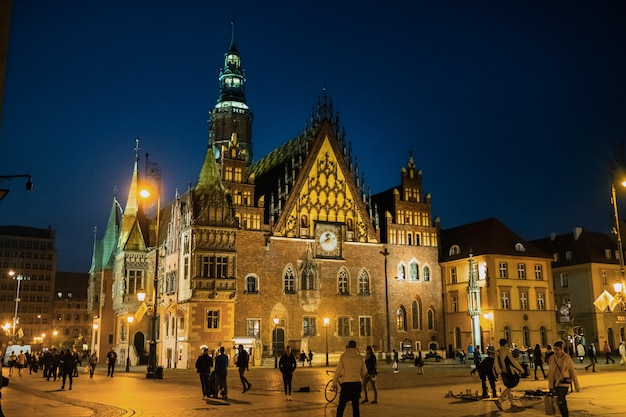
(209, 179)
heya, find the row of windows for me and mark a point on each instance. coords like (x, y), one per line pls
(414, 272)
(77, 317)
(26, 298)
(480, 271)
(526, 339)
(27, 255)
(403, 237)
(413, 218)
(21, 243)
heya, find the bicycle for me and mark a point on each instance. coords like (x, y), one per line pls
(330, 393)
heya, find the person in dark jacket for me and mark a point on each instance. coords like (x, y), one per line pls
(287, 365)
(204, 363)
(370, 378)
(538, 361)
(243, 361)
(67, 364)
(221, 370)
(486, 372)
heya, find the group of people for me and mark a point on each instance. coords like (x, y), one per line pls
(62, 364)
(502, 364)
(214, 383)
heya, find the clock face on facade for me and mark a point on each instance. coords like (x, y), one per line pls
(328, 240)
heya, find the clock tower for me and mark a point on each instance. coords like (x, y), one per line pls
(231, 115)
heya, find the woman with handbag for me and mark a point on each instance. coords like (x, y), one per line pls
(509, 370)
(561, 374)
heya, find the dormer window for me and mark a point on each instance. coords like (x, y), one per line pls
(519, 247)
(454, 250)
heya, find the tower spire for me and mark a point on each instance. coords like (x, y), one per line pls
(232, 47)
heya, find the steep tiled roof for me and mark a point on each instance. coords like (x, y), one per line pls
(486, 237)
(292, 149)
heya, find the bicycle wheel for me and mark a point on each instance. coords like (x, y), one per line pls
(329, 392)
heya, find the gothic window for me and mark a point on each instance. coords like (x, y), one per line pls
(365, 326)
(288, 280)
(413, 271)
(431, 319)
(401, 319)
(308, 279)
(416, 318)
(350, 225)
(364, 282)
(342, 282)
(401, 271)
(304, 221)
(426, 274)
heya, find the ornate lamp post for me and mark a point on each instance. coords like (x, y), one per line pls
(473, 303)
(326, 323)
(16, 319)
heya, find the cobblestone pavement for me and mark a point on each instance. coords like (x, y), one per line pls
(402, 394)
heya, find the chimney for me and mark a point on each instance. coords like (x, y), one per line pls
(577, 233)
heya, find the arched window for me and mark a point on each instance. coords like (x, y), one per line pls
(454, 250)
(507, 334)
(401, 271)
(426, 274)
(304, 221)
(342, 282)
(457, 338)
(308, 279)
(364, 282)
(526, 336)
(431, 319)
(413, 271)
(417, 239)
(401, 319)
(416, 319)
(288, 280)
(252, 284)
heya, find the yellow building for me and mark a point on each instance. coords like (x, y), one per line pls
(514, 280)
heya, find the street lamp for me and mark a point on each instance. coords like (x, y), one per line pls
(326, 323)
(54, 334)
(130, 321)
(274, 344)
(151, 372)
(19, 279)
(605, 299)
(385, 253)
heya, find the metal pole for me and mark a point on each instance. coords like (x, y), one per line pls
(385, 253)
(619, 234)
(326, 344)
(274, 347)
(152, 363)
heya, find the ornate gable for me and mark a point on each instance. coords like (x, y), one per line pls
(325, 191)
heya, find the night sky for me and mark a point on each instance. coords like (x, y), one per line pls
(513, 109)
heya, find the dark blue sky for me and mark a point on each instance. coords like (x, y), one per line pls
(513, 109)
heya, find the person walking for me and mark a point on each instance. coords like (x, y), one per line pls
(510, 370)
(486, 372)
(607, 352)
(287, 365)
(242, 363)
(68, 362)
(54, 364)
(561, 374)
(622, 352)
(310, 358)
(419, 363)
(221, 371)
(538, 361)
(204, 363)
(591, 353)
(370, 378)
(352, 370)
(476, 358)
(111, 361)
(394, 365)
(21, 362)
(93, 361)
(12, 362)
